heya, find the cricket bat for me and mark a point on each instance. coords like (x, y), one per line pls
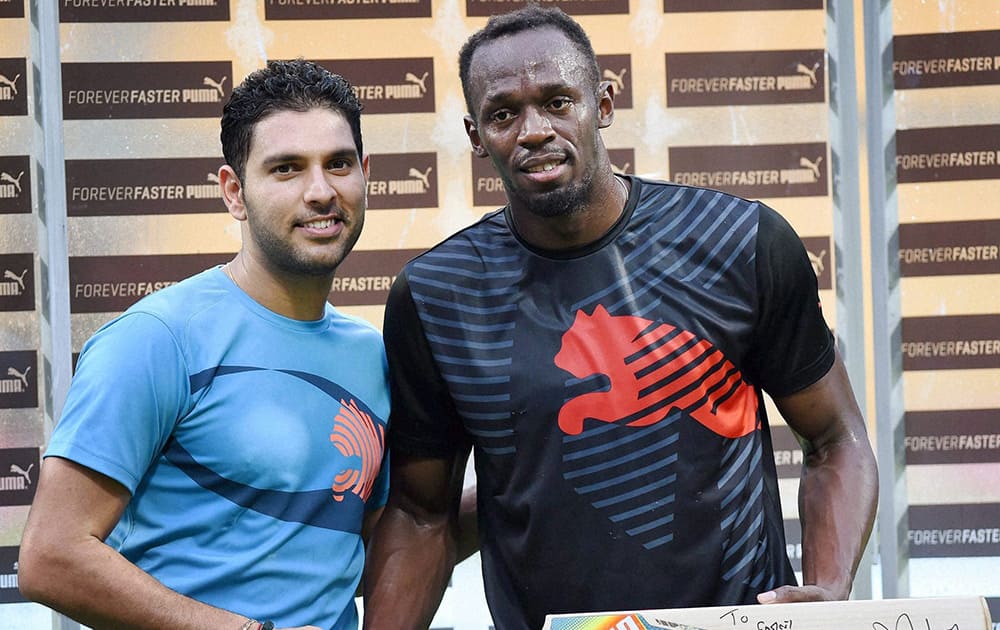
(937, 613)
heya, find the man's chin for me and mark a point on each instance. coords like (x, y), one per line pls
(556, 203)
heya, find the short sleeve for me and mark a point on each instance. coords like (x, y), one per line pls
(423, 421)
(128, 391)
(792, 346)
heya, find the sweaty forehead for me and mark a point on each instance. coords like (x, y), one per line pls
(545, 55)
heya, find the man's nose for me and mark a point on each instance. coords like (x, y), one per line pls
(536, 128)
(319, 188)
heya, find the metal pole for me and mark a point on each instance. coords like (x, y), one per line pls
(50, 210)
(847, 218)
(886, 309)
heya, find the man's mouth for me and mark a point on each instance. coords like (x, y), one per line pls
(319, 224)
(542, 168)
(323, 227)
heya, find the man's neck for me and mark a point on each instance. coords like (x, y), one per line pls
(293, 296)
(585, 225)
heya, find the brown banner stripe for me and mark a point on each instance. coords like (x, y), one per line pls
(787, 452)
(954, 531)
(389, 86)
(13, 86)
(487, 187)
(345, 9)
(946, 59)
(157, 89)
(938, 154)
(483, 8)
(993, 603)
(110, 284)
(18, 475)
(9, 594)
(365, 276)
(957, 342)
(18, 380)
(701, 6)
(745, 78)
(618, 70)
(820, 251)
(949, 248)
(12, 9)
(139, 187)
(403, 180)
(793, 542)
(15, 184)
(954, 436)
(157, 11)
(17, 282)
(753, 172)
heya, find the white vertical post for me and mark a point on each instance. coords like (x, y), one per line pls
(886, 309)
(847, 218)
(50, 210)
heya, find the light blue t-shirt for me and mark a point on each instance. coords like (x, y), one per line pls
(252, 445)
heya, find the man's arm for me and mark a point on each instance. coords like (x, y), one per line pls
(413, 550)
(838, 491)
(65, 564)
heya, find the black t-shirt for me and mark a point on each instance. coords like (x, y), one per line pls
(613, 399)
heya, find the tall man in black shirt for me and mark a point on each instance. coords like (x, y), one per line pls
(603, 343)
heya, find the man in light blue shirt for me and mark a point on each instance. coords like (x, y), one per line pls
(220, 452)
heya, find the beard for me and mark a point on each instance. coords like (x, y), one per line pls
(283, 255)
(563, 201)
(560, 202)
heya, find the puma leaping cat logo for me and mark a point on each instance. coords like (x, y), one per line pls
(812, 166)
(7, 177)
(418, 81)
(362, 440)
(21, 376)
(423, 176)
(210, 82)
(19, 279)
(653, 368)
(617, 78)
(809, 72)
(11, 83)
(17, 470)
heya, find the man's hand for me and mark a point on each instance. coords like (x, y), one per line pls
(790, 594)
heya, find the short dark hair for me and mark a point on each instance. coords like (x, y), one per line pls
(296, 85)
(527, 18)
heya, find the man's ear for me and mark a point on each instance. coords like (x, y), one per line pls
(605, 104)
(473, 132)
(232, 192)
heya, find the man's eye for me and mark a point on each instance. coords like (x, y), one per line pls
(501, 116)
(560, 103)
(340, 165)
(283, 169)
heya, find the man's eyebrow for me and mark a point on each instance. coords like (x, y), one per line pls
(546, 89)
(280, 157)
(345, 152)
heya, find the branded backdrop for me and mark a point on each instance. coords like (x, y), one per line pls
(726, 94)
(946, 75)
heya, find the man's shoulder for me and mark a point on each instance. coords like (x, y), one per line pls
(653, 186)
(355, 325)
(489, 232)
(176, 302)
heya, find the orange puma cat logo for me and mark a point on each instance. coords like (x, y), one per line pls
(653, 369)
(355, 435)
